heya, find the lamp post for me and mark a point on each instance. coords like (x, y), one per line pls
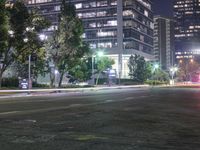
(173, 70)
(29, 69)
(92, 70)
(99, 54)
(29, 72)
(155, 68)
(42, 38)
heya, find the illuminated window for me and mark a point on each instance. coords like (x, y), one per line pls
(78, 6)
(146, 13)
(102, 3)
(38, 1)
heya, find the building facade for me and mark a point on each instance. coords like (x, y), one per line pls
(164, 41)
(187, 28)
(120, 28)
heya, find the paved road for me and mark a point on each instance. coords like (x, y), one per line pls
(120, 119)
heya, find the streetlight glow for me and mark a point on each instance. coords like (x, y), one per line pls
(100, 53)
(42, 37)
(56, 72)
(26, 40)
(156, 66)
(173, 70)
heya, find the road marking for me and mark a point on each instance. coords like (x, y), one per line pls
(129, 98)
(109, 100)
(9, 112)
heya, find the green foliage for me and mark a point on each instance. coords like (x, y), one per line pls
(156, 82)
(80, 71)
(65, 47)
(76, 86)
(186, 68)
(127, 82)
(40, 85)
(139, 69)
(4, 25)
(10, 82)
(20, 29)
(103, 63)
(160, 75)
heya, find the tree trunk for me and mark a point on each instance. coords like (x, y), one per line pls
(52, 79)
(61, 78)
(97, 80)
(1, 77)
(0, 80)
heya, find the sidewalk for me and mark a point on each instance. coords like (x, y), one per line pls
(47, 92)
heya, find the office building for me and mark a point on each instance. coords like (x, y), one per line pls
(120, 28)
(164, 41)
(187, 28)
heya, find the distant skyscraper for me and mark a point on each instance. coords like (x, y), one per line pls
(164, 41)
(187, 28)
(118, 27)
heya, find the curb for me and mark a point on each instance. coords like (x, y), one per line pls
(46, 92)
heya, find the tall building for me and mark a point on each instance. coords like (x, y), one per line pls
(164, 41)
(117, 27)
(187, 28)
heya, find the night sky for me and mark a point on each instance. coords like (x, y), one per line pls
(163, 7)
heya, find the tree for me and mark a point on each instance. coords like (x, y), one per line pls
(66, 47)
(38, 66)
(81, 70)
(139, 69)
(186, 68)
(20, 29)
(132, 64)
(160, 75)
(4, 26)
(103, 63)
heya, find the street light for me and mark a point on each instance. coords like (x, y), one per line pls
(156, 66)
(99, 54)
(26, 40)
(11, 33)
(173, 70)
(42, 37)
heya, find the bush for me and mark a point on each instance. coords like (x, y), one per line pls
(10, 82)
(102, 81)
(76, 86)
(40, 85)
(156, 82)
(127, 82)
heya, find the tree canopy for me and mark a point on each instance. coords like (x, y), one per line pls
(66, 46)
(103, 63)
(19, 31)
(139, 69)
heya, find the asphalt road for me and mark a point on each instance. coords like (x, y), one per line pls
(122, 119)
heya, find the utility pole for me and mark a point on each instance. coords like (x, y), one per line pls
(93, 70)
(29, 72)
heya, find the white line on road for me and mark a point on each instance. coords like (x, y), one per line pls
(9, 112)
(129, 98)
